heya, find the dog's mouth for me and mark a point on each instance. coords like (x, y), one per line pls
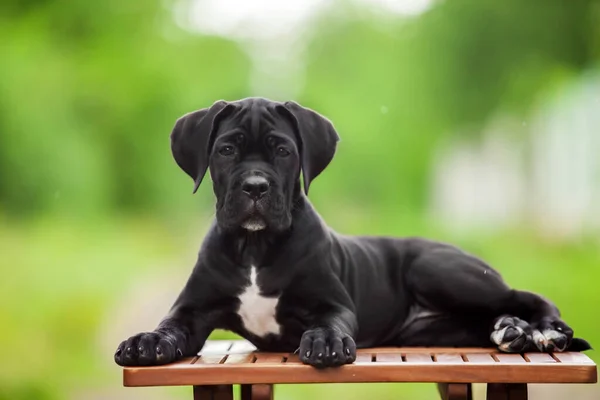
(241, 212)
(254, 223)
(255, 220)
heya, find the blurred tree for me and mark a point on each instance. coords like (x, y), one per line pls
(394, 86)
(88, 95)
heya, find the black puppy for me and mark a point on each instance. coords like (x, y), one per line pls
(272, 271)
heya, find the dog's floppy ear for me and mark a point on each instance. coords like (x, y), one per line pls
(192, 137)
(317, 138)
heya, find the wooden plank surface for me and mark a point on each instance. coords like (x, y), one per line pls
(575, 358)
(240, 352)
(509, 358)
(213, 347)
(539, 358)
(478, 358)
(418, 358)
(388, 358)
(214, 352)
(230, 362)
(366, 358)
(445, 358)
(270, 358)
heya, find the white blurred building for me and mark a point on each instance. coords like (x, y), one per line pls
(544, 171)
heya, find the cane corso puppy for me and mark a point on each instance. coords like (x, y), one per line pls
(273, 272)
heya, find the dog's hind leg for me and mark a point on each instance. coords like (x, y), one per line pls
(444, 330)
(549, 331)
(448, 280)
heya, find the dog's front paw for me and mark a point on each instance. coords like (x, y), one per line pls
(552, 334)
(152, 348)
(324, 347)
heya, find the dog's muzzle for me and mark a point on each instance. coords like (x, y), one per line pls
(255, 187)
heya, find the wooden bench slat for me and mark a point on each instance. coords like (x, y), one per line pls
(240, 352)
(271, 358)
(418, 358)
(293, 359)
(575, 358)
(215, 351)
(364, 358)
(241, 347)
(240, 358)
(449, 358)
(211, 359)
(540, 358)
(510, 358)
(388, 358)
(184, 363)
(213, 347)
(479, 358)
(456, 366)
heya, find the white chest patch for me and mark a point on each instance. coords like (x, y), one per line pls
(256, 311)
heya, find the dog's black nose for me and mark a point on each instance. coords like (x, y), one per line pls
(255, 187)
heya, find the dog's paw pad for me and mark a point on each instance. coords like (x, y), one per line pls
(511, 334)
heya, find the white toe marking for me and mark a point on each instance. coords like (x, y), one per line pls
(498, 335)
(539, 339)
(504, 347)
(551, 334)
(499, 322)
(257, 311)
(542, 339)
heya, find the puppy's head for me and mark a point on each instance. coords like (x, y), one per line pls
(255, 150)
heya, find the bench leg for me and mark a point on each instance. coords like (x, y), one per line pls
(506, 391)
(213, 392)
(455, 391)
(257, 392)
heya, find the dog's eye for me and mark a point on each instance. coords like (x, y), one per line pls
(226, 150)
(282, 151)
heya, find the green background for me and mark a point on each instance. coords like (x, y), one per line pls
(98, 226)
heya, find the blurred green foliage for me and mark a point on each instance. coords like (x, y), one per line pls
(91, 200)
(89, 95)
(459, 64)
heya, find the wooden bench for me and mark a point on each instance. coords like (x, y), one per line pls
(221, 364)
